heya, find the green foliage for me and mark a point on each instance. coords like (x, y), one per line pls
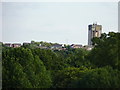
(77, 58)
(106, 51)
(22, 70)
(104, 77)
(82, 77)
(13, 75)
(32, 67)
(64, 78)
(50, 59)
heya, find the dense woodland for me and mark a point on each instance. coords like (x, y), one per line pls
(29, 67)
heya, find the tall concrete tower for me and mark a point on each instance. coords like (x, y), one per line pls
(94, 31)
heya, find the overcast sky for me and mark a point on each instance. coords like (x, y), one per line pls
(56, 22)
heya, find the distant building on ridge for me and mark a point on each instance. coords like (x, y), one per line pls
(8, 44)
(76, 46)
(15, 45)
(94, 30)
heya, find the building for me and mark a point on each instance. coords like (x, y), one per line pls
(15, 45)
(26, 43)
(94, 31)
(88, 47)
(8, 44)
(57, 46)
(76, 46)
(42, 47)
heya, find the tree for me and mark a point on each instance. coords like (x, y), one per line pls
(13, 75)
(77, 58)
(64, 78)
(105, 77)
(22, 70)
(50, 59)
(106, 51)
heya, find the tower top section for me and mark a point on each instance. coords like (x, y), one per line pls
(95, 27)
(95, 23)
(94, 30)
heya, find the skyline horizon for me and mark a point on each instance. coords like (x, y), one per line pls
(51, 41)
(46, 41)
(65, 23)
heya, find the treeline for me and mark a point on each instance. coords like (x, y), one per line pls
(34, 44)
(27, 67)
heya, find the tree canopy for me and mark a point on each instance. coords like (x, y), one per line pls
(31, 67)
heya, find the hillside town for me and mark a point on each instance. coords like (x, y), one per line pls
(53, 46)
(59, 44)
(94, 30)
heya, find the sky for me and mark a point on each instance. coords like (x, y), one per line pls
(61, 22)
(119, 16)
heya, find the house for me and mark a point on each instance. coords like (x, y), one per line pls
(76, 46)
(56, 46)
(42, 46)
(25, 43)
(88, 47)
(15, 45)
(8, 44)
